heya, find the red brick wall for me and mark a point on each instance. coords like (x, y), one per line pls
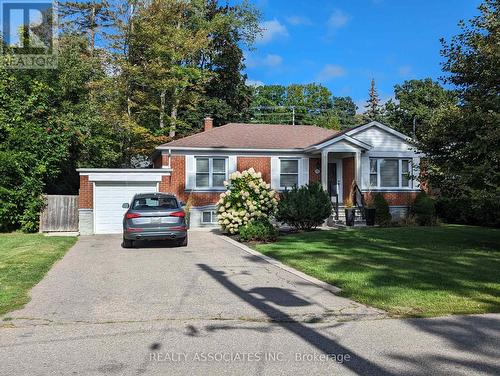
(313, 163)
(400, 198)
(86, 193)
(176, 183)
(259, 164)
(347, 175)
(202, 198)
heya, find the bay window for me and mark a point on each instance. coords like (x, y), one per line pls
(211, 172)
(390, 173)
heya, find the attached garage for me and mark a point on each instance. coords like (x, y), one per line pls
(109, 197)
(103, 191)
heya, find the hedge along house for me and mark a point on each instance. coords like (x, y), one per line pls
(377, 157)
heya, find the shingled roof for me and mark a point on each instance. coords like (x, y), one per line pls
(255, 136)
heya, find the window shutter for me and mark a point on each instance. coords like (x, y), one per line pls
(190, 172)
(275, 172)
(365, 171)
(303, 171)
(232, 164)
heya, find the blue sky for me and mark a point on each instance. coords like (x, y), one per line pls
(343, 44)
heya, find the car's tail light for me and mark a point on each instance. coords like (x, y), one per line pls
(177, 228)
(178, 214)
(132, 215)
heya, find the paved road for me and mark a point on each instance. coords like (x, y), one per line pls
(211, 308)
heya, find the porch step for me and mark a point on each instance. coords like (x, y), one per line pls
(358, 221)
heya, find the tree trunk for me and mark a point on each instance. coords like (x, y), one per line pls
(92, 31)
(162, 109)
(173, 114)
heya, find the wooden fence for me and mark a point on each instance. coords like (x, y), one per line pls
(60, 214)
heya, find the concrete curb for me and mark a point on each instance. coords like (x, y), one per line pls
(308, 278)
(63, 233)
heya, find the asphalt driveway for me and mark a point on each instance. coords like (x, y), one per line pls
(211, 308)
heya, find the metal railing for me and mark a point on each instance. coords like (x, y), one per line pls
(358, 199)
(334, 198)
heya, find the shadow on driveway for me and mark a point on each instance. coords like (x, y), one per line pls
(283, 297)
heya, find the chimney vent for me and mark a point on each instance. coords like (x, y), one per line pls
(209, 123)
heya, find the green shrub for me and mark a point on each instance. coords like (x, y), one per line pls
(382, 214)
(424, 210)
(304, 208)
(21, 187)
(480, 211)
(258, 230)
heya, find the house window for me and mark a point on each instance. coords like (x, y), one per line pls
(390, 173)
(209, 216)
(373, 173)
(289, 172)
(210, 172)
(405, 173)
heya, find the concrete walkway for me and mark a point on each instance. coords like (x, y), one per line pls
(212, 308)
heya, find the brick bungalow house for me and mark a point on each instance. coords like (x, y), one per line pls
(194, 168)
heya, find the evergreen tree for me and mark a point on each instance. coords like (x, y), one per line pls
(86, 17)
(461, 144)
(372, 106)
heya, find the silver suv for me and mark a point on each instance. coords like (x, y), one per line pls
(154, 216)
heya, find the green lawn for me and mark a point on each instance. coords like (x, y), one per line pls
(408, 271)
(24, 260)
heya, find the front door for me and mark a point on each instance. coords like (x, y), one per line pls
(332, 179)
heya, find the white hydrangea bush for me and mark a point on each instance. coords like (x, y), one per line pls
(247, 198)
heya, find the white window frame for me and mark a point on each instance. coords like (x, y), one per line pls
(289, 173)
(400, 173)
(213, 216)
(210, 171)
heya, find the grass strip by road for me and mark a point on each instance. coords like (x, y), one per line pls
(407, 271)
(24, 261)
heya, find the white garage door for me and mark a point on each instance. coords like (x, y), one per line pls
(108, 200)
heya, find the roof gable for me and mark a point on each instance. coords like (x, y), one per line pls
(379, 125)
(342, 137)
(354, 136)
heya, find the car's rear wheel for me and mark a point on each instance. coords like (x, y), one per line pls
(182, 242)
(127, 243)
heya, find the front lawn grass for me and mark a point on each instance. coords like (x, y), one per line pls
(407, 271)
(24, 260)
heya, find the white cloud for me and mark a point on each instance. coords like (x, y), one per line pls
(329, 72)
(405, 70)
(270, 60)
(338, 19)
(271, 30)
(299, 20)
(254, 83)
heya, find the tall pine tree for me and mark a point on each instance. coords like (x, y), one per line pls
(372, 106)
(86, 17)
